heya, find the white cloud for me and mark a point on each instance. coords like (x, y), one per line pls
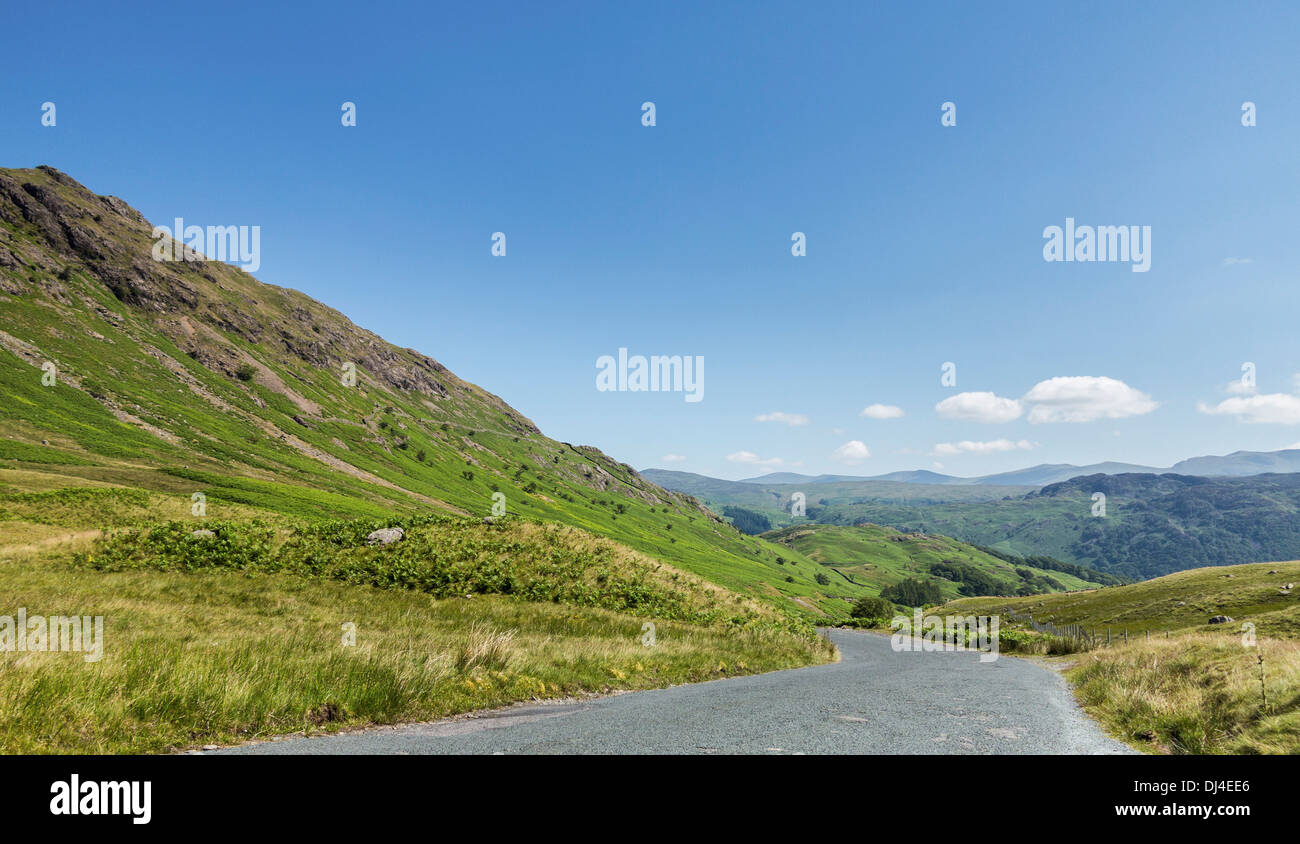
(881, 411)
(1240, 388)
(1271, 408)
(1228, 262)
(672, 458)
(979, 407)
(753, 459)
(1083, 398)
(791, 419)
(852, 451)
(987, 447)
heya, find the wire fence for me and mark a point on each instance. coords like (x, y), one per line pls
(1088, 637)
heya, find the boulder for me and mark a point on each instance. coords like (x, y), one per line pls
(202, 533)
(385, 536)
(1221, 619)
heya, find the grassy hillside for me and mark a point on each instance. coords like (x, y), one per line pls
(1184, 601)
(877, 557)
(177, 378)
(241, 636)
(1176, 683)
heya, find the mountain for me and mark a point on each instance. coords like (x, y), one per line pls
(138, 389)
(774, 499)
(1153, 524)
(1050, 473)
(1238, 463)
(920, 476)
(1241, 463)
(1040, 475)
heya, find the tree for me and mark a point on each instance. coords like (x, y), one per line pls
(871, 607)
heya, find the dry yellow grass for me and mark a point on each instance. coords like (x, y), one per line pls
(1196, 693)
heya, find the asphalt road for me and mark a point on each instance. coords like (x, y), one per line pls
(874, 701)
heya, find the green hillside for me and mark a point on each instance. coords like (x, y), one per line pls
(877, 557)
(177, 378)
(1180, 602)
(185, 454)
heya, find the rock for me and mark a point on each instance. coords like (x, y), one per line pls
(211, 747)
(1274, 571)
(487, 520)
(1182, 603)
(202, 533)
(385, 536)
(1289, 586)
(1221, 619)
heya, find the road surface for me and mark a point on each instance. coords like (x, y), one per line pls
(874, 701)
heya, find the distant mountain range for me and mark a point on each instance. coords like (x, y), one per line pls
(1148, 524)
(1237, 464)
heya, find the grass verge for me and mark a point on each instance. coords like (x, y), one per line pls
(1195, 694)
(218, 656)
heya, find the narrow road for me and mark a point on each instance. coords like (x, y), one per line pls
(873, 701)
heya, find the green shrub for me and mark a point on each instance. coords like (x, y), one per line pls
(869, 607)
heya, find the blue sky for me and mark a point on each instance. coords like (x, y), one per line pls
(924, 242)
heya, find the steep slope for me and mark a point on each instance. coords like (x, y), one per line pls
(144, 382)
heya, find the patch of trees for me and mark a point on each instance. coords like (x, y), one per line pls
(747, 521)
(1039, 561)
(913, 592)
(971, 581)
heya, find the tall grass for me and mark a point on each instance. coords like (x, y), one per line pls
(220, 657)
(1196, 694)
